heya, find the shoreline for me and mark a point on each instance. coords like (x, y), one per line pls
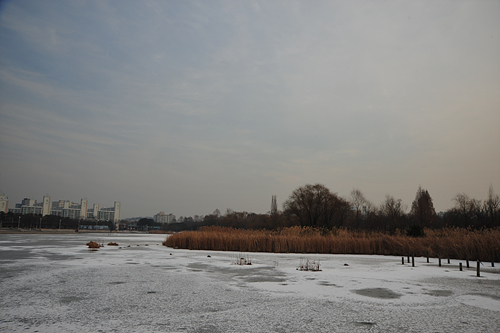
(63, 231)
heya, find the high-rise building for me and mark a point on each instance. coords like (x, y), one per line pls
(29, 206)
(69, 209)
(274, 206)
(83, 208)
(46, 205)
(161, 217)
(4, 203)
(65, 208)
(110, 213)
(94, 212)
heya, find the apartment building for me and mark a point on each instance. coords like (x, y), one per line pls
(4, 204)
(67, 209)
(161, 217)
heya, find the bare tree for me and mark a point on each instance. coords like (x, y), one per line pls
(467, 208)
(316, 206)
(492, 207)
(394, 212)
(361, 207)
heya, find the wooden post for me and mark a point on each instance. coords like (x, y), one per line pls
(478, 273)
(448, 260)
(460, 266)
(439, 256)
(413, 259)
(427, 256)
(403, 260)
(467, 260)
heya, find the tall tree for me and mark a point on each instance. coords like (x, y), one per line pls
(492, 208)
(361, 207)
(422, 209)
(394, 212)
(316, 206)
(468, 209)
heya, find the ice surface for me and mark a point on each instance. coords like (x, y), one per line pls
(53, 283)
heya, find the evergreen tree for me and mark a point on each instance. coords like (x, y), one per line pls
(422, 209)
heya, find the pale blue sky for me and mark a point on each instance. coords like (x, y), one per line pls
(189, 106)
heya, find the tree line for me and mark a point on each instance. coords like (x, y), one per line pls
(314, 205)
(32, 221)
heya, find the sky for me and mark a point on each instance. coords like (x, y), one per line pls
(190, 106)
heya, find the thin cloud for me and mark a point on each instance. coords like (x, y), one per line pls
(173, 101)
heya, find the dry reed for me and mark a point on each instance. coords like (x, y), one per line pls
(454, 243)
(93, 245)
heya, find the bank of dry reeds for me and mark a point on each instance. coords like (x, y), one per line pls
(451, 243)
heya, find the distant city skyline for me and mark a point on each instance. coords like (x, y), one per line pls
(168, 217)
(190, 106)
(63, 208)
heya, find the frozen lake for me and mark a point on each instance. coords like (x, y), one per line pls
(53, 283)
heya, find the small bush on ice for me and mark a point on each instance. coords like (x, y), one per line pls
(243, 261)
(94, 245)
(309, 265)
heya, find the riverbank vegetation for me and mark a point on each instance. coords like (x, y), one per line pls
(315, 220)
(316, 206)
(454, 243)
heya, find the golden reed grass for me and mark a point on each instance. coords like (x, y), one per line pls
(93, 245)
(453, 243)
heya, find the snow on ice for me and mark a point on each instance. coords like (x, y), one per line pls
(53, 283)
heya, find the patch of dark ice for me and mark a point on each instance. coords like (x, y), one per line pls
(383, 293)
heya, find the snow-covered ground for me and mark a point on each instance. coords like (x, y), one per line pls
(53, 283)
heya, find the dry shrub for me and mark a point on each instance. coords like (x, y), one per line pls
(309, 265)
(93, 245)
(112, 244)
(453, 243)
(240, 260)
